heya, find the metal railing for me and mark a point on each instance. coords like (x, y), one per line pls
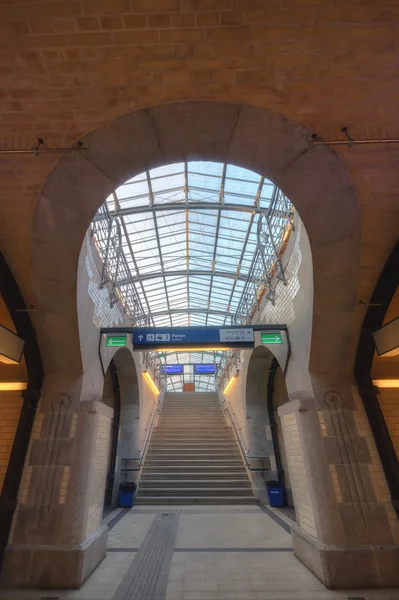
(141, 454)
(245, 453)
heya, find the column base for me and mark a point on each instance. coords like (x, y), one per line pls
(53, 567)
(356, 567)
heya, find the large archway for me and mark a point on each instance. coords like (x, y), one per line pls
(313, 177)
(317, 183)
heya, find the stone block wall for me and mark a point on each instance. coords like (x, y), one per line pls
(99, 474)
(298, 475)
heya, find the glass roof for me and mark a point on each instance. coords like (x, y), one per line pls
(184, 248)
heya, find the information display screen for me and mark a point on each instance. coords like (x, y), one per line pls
(207, 369)
(172, 369)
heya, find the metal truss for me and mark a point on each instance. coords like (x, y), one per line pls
(194, 243)
(194, 311)
(107, 232)
(271, 228)
(186, 273)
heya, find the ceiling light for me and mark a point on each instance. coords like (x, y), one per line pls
(151, 382)
(230, 383)
(13, 386)
(386, 383)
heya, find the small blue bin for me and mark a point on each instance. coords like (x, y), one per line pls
(126, 494)
(275, 491)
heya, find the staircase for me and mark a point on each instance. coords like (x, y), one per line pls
(193, 456)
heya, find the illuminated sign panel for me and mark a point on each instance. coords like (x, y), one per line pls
(181, 337)
(204, 369)
(172, 369)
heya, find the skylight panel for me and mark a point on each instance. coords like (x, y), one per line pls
(211, 241)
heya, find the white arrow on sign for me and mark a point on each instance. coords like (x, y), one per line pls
(114, 343)
(140, 337)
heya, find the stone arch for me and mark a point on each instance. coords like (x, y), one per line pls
(265, 391)
(258, 422)
(313, 177)
(121, 393)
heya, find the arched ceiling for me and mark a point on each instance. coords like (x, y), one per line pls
(181, 245)
(189, 240)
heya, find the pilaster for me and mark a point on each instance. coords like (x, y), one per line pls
(347, 532)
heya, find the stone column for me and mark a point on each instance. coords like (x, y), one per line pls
(347, 532)
(57, 540)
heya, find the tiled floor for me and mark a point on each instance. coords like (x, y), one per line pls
(207, 553)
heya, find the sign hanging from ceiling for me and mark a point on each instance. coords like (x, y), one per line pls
(11, 346)
(204, 369)
(172, 369)
(193, 337)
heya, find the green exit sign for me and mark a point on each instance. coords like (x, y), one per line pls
(271, 338)
(116, 341)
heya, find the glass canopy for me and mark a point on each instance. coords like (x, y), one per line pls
(192, 243)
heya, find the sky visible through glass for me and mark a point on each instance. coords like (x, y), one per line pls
(189, 236)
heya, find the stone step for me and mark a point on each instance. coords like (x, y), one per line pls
(143, 500)
(195, 439)
(198, 431)
(193, 491)
(193, 407)
(193, 456)
(198, 450)
(194, 461)
(192, 420)
(180, 428)
(204, 476)
(199, 445)
(179, 468)
(159, 456)
(195, 483)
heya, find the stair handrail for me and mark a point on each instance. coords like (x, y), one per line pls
(141, 454)
(246, 455)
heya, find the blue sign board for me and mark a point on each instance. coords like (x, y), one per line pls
(208, 369)
(172, 369)
(146, 338)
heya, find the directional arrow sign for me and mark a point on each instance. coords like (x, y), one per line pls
(116, 341)
(271, 338)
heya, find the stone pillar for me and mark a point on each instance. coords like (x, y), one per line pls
(347, 532)
(57, 539)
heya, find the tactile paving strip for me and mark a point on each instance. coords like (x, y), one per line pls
(147, 576)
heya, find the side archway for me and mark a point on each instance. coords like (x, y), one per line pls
(121, 393)
(266, 391)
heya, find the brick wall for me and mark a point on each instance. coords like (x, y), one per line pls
(69, 66)
(10, 410)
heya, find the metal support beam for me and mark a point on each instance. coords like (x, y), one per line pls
(184, 273)
(174, 206)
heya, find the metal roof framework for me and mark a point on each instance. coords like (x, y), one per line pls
(192, 243)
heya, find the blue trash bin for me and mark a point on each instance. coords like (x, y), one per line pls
(275, 491)
(126, 494)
